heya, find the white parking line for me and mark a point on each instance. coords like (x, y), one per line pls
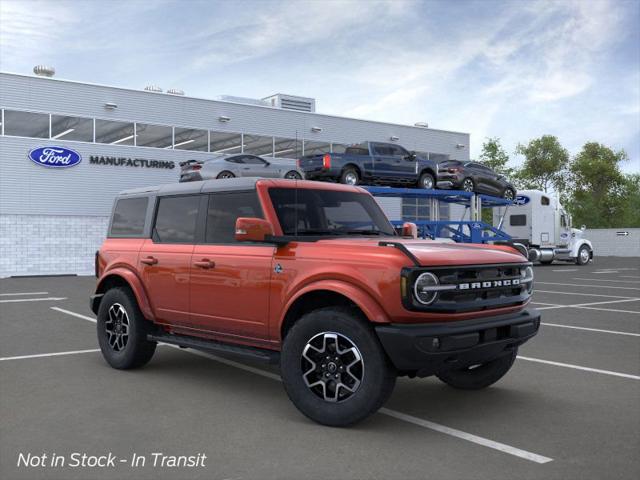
(533, 457)
(605, 280)
(579, 367)
(587, 286)
(74, 314)
(589, 306)
(56, 354)
(629, 276)
(47, 299)
(566, 270)
(23, 293)
(607, 271)
(615, 332)
(584, 294)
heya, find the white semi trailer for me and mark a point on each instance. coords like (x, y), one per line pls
(538, 221)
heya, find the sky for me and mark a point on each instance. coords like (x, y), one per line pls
(509, 69)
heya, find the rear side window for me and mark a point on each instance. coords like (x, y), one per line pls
(176, 219)
(224, 209)
(544, 201)
(518, 220)
(128, 217)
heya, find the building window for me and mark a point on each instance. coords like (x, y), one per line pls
(71, 128)
(416, 209)
(258, 145)
(191, 139)
(225, 143)
(316, 148)
(26, 124)
(156, 136)
(287, 147)
(114, 133)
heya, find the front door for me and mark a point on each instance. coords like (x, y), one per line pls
(229, 280)
(165, 259)
(254, 166)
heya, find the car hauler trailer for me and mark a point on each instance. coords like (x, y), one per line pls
(540, 222)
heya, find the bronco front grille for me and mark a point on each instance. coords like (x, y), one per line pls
(472, 287)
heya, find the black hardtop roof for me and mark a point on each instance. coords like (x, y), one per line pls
(205, 186)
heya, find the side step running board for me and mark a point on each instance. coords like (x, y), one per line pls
(184, 341)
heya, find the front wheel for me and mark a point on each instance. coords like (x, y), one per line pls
(334, 369)
(426, 181)
(584, 255)
(476, 377)
(509, 194)
(122, 331)
(468, 185)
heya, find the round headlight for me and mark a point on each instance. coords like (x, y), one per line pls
(423, 288)
(526, 276)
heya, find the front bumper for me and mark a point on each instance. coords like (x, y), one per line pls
(426, 349)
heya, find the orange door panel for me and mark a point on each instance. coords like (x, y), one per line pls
(230, 289)
(165, 274)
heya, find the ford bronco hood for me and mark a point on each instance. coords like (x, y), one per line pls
(432, 252)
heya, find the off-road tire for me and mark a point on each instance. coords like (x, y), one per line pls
(378, 375)
(580, 259)
(225, 174)
(481, 376)
(137, 351)
(349, 173)
(425, 178)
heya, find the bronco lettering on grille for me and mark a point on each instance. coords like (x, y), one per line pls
(513, 282)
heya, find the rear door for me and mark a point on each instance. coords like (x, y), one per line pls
(230, 281)
(165, 259)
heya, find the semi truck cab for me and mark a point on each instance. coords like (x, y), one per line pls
(540, 222)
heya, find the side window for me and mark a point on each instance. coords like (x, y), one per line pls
(253, 160)
(398, 151)
(128, 217)
(563, 221)
(518, 220)
(223, 211)
(380, 149)
(544, 201)
(235, 160)
(176, 219)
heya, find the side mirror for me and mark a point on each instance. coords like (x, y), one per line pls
(411, 156)
(409, 229)
(252, 229)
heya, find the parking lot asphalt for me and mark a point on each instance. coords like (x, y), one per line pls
(569, 408)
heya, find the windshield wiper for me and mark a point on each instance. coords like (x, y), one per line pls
(366, 232)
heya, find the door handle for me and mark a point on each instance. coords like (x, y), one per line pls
(149, 260)
(205, 263)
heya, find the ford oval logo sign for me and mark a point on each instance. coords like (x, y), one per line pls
(521, 200)
(55, 157)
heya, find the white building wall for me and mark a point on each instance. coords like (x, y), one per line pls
(50, 245)
(607, 242)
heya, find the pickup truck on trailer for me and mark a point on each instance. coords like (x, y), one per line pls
(372, 163)
(311, 275)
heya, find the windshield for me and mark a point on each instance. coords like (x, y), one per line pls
(327, 212)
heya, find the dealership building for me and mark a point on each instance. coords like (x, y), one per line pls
(52, 219)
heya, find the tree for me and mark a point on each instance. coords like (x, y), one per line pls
(599, 194)
(495, 157)
(545, 164)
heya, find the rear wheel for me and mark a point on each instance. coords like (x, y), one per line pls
(334, 369)
(293, 175)
(426, 181)
(122, 331)
(584, 255)
(225, 174)
(350, 176)
(468, 185)
(479, 376)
